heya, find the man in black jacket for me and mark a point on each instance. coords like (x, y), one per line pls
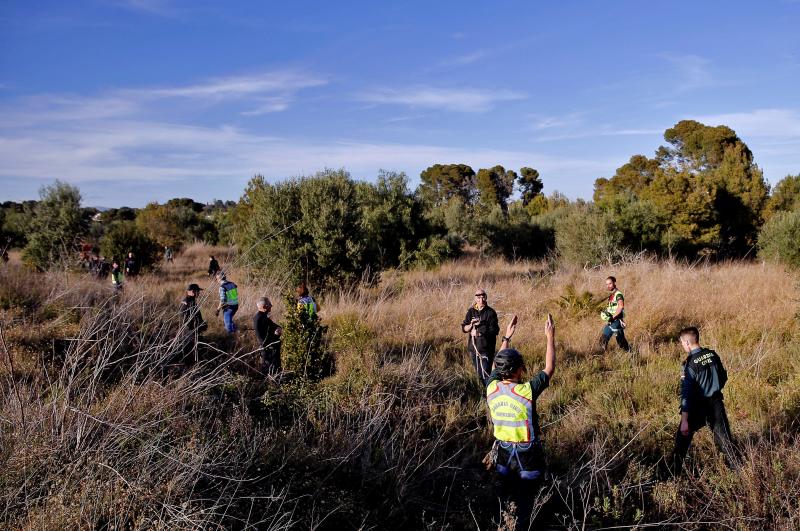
(269, 337)
(482, 326)
(702, 381)
(192, 323)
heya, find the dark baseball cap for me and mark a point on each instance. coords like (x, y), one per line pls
(194, 287)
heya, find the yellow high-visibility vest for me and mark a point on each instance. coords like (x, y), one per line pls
(511, 408)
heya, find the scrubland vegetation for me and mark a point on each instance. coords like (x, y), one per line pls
(384, 425)
(97, 433)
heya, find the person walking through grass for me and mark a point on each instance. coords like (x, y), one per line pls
(482, 326)
(228, 301)
(269, 337)
(117, 275)
(213, 266)
(192, 323)
(519, 462)
(614, 317)
(702, 380)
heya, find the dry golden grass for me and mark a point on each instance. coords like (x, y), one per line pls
(395, 437)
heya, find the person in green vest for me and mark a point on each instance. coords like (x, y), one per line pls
(614, 317)
(520, 462)
(228, 301)
(117, 275)
(305, 302)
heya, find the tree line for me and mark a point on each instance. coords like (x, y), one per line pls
(700, 194)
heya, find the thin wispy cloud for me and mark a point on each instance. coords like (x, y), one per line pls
(153, 151)
(237, 86)
(161, 8)
(459, 100)
(761, 123)
(692, 71)
(266, 92)
(573, 119)
(595, 133)
(466, 59)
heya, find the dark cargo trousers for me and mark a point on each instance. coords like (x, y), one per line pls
(708, 412)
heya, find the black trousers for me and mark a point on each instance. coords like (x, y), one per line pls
(271, 359)
(482, 361)
(521, 492)
(709, 412)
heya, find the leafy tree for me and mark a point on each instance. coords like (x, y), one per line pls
(56, 227)
(15, 223)
(176, 222)
(779, 239)
(703, 184)
(308, 228)
(392, 219)
(495, 185)
(785, 196)
(118, 214)
(442, 182)
(123, 237)
(530, 184)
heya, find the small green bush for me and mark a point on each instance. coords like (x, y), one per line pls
(124, 237)
(588, 236)
(779, 239)
(303, 343)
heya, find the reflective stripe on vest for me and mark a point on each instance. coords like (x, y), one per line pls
(231, 293)
(308, 305)
(612, 302)
(511, 408)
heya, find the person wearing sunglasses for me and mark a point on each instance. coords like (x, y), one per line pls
(482, 326)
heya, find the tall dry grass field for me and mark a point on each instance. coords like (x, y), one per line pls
(99, 429)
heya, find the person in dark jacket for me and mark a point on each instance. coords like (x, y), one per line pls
(702, 381)
(269, 337)
(131, 266)
(482, 326)
(213, 266)
(192, 323)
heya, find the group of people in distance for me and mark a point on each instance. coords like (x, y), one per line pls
(268, 333)
(518, 455)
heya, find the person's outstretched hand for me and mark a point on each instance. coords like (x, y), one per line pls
(549, 326)
(512, 327)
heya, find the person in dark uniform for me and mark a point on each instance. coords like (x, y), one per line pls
(213, 266)
(520, 461)
(192, 323)
(269, 337)
(131, 266)
(702, 380)
(482, 326)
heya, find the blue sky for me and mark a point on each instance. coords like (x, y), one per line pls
(142, 100)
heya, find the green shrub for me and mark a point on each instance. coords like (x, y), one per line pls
(124, 237)
(303, 343)
(779, 239)
(587, 236)
(56, 227)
